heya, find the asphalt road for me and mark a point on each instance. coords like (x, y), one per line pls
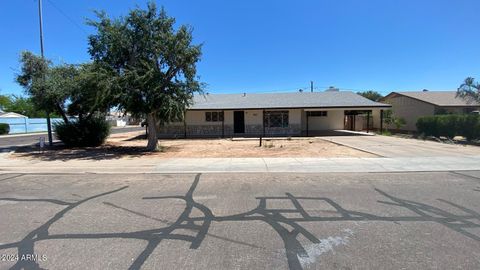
(240, 221)
(12, 141)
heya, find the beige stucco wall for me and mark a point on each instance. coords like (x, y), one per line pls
(410, 109)
(457, 110)
(333, 120)
(197, 126)
(253, 117)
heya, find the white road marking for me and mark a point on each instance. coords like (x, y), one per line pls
(314, 251)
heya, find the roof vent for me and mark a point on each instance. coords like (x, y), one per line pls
(425, 90)
(300, 90)
(244, 94)
(332, 89)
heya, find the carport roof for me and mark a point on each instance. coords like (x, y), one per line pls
(333, 99)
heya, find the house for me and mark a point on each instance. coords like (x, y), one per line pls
(117, 118)
(121, 119)
(275, 114)
(11, 115)
(413, 105)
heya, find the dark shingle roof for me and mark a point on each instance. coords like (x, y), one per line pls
(282, 100)
(439, 98)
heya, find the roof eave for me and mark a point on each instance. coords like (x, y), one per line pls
(301, 107)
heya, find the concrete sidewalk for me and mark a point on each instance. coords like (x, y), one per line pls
(260, 165)
(318, 165)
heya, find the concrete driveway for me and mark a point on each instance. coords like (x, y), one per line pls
(385, 146)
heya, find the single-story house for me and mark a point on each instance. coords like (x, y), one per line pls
(413, 105)
(275, 114)
(11, 115)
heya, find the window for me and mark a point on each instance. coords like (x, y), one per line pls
(214, 116)
(317, 113)
(276, 119)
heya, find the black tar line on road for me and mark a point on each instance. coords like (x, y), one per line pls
(287, 228)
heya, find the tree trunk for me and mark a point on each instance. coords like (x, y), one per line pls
(62, 113)
(152, 132)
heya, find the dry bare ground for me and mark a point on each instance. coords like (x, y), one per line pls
(236, 148)
(132, 145)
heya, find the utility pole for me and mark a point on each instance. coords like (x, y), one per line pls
(311, 86)
(49, 126)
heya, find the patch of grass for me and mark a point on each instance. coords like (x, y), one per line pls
(386, 133)
(269, 144)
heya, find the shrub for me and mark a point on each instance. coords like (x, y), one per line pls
(91, 132)
(386, 133)
(450, 125)
(4, 129)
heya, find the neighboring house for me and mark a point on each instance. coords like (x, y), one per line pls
(11, 115)
(274, 114)
(413, 105)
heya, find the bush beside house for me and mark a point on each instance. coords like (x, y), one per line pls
(89, 132)
(450, 125)
(4, 129)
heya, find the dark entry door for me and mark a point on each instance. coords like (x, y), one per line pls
(238, 122)
(350, 120)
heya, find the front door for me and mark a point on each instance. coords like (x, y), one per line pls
(238, 122)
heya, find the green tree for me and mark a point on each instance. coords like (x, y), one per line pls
(4, 102)
(90, 93)
(21, 105)
(370, 94)
(49, 86)
(469, 90)
(24, 106)
(82, 91)
(390, 119)
(155, 64)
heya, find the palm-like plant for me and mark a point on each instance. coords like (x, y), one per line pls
(469, 90)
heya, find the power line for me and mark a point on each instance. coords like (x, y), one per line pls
(66, 16)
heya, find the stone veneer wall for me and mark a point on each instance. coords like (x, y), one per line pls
(178, 131)
(292, 130)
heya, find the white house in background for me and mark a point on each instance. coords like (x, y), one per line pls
(11, 115)
(276, 114)
(118, 118)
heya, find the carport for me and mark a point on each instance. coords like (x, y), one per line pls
(319, 120)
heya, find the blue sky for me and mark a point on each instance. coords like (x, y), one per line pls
(276, 45)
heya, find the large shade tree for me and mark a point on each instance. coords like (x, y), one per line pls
(155, 64)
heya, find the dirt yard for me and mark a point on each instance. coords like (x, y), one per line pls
(295, 147)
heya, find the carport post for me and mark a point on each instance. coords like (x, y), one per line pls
(381, 121)
(185, 125)
(263, 123)
(223, 123)
(308, 114)
(368, 121)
